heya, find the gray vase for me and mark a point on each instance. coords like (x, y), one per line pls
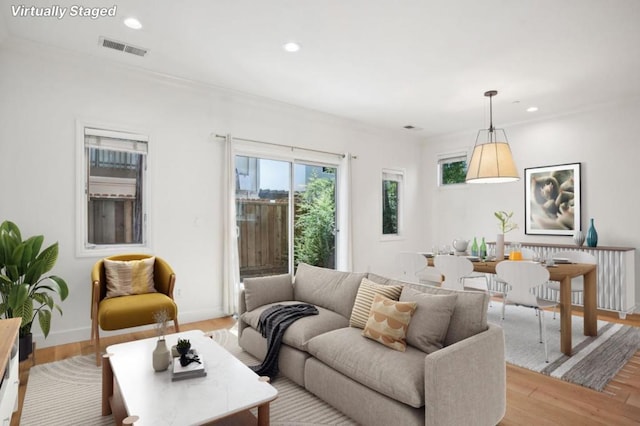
(161, 356)
(578, 238)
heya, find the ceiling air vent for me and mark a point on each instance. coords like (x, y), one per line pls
(411, 127)
(123, 47)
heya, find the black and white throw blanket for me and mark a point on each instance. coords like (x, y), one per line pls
(273, 322)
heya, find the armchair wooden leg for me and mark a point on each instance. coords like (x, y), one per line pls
(176, 325)
(95, 338)
(98, 351)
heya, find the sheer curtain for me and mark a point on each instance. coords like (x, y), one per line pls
(344, 241)
(231, 268)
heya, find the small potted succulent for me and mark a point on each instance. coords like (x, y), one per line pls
(187, 356)
(183, 347)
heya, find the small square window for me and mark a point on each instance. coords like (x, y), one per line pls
(452, 170)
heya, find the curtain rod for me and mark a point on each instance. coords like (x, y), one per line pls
(285, 146)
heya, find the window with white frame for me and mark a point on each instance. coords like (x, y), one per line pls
(452, 169)
(392, 202)
(113, 206)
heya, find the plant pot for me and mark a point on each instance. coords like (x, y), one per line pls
(26, 346)
(499, 247)
(183, 351)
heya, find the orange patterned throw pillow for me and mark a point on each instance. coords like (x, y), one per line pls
(388, 322)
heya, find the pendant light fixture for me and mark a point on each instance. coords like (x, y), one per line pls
(491, 161)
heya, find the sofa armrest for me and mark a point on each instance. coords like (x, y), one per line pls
(242, 308)
(465, 383)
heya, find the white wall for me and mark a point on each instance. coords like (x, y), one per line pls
(604, 140)
(43, 93)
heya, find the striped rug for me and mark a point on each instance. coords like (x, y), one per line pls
(595, 360)
(68, 392)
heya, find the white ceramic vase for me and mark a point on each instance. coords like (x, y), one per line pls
(578, 238)
(499, 246)
(161, 356)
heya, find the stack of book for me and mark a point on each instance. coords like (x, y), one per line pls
(189, 371)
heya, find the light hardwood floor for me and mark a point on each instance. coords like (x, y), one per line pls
(532, 398)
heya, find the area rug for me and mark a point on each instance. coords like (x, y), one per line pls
(68, 392)
(595, 360)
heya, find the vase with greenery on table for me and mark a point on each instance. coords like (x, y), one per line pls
(505, 225)
(161, 357)
(25, 289)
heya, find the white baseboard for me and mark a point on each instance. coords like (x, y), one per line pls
(62, 337)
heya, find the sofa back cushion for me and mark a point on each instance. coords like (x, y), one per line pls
(263, 290)
(334, 290)
(430, 322)
(469, 315)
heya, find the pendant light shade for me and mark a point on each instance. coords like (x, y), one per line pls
(491, 160)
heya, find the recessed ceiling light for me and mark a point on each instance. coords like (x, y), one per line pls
(133, 23)
(532, 109)
(291, 46)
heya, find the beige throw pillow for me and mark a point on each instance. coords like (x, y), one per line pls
(127, 277)
(430, 322)
(388, 322)
(366, 292)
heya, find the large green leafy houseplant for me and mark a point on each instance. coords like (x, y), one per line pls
(25, 289)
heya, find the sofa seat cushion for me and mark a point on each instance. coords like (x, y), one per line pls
(301, 331)
(398, 375)
(117, 313)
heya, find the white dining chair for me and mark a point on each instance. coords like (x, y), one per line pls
(523, 276)
(577, 283)
(502, 286)
(457, 270)
(414, 268)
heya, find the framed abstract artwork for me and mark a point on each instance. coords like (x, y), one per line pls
(552, 199)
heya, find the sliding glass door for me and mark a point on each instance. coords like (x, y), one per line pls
(285, 214)
(315, 215)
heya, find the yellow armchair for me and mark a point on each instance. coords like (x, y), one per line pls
(120, 312)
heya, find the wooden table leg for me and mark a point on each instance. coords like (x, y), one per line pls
(590, 295)
(263, 415)
(107, 385)
(565, 316)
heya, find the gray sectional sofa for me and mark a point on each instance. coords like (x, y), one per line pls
(462, 383)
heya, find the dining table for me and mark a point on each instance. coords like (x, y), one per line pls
(564, 273)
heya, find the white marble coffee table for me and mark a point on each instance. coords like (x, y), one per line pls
(151, 398)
